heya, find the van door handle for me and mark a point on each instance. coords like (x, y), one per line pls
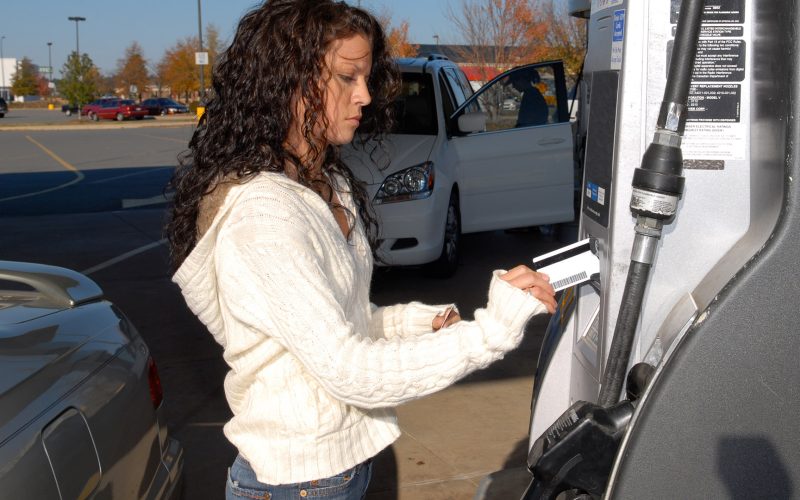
(551, 141)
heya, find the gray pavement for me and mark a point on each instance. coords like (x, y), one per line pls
(450, 439)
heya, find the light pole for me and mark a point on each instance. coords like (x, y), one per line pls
(50, 69)
(200, 38)
(2, 67)
(77, 19)
(77, 39)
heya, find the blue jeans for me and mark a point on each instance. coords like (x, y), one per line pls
(349, 485)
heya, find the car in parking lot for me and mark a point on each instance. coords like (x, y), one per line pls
(81, 403)
(91, 108)
(461, 162)
(69, 109)
(3, 107)
(118, 109)
(163, 106)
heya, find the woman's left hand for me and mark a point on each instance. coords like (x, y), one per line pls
(537, 284)
(446, 318)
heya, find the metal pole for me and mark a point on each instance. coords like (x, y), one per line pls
(50, 70)
(77, 19)
(200, 38)
(50, 61)
(2, 67)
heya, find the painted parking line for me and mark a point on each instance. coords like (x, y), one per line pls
(144, 202)
(144, 172)
(124, 256)
(78, 174)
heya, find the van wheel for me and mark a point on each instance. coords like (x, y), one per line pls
(68, 112)
(120, 117)
(447, 263)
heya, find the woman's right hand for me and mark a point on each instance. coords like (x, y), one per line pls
(537, 284)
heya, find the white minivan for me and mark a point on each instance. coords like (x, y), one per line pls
(462, 162)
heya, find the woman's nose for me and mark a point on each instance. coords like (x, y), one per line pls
(361, 95)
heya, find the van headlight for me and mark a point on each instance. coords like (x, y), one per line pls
(412, 183)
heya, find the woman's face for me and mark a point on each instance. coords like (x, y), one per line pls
(349, 61)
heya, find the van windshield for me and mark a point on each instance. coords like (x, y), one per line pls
(415, 107)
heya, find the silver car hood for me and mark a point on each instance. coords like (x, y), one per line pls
(371, 163)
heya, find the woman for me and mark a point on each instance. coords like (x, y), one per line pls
(272, 238)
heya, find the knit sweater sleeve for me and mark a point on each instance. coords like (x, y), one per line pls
(272, 279)
(402, 320)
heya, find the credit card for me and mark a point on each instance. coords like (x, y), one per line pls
(570, 265)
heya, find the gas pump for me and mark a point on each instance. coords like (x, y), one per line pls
(675, 373)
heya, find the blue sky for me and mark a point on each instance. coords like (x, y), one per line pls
(111, 25)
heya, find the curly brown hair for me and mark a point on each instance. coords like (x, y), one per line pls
(277, 55)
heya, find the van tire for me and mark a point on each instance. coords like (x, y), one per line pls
(447, 263)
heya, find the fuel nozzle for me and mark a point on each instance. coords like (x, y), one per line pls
(578, 450)
(658, 182)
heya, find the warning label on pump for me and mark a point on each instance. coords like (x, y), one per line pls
(704, 141)
(719, 60)
(714, 103)
(715, 12)
(715, 132)
(717, 31)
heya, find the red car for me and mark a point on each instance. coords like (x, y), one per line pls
(119, 109)
(90, 109)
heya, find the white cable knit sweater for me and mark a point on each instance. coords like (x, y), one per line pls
(315, 369)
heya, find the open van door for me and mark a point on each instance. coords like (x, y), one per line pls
(523, 113)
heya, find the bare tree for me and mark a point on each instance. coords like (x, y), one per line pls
(498, 33)
(214, 47)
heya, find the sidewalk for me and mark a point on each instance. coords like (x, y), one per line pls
(86, 124)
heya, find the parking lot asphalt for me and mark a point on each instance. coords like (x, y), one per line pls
(450, 440)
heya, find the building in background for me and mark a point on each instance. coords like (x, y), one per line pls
(464, 55)
(8, 68)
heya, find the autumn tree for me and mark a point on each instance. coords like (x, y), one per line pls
(132, 69)
(42, 86)
(565, 37)
(498, 33)
(397, 40)
(180, 72)
(24, 80)
(177, 69)
(79, 79)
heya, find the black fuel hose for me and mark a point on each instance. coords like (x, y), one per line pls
(624, 333)
(658, 179)
(679, 76)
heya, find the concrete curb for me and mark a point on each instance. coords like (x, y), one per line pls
(99, 126)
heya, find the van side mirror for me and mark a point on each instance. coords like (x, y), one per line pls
(472, 122)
